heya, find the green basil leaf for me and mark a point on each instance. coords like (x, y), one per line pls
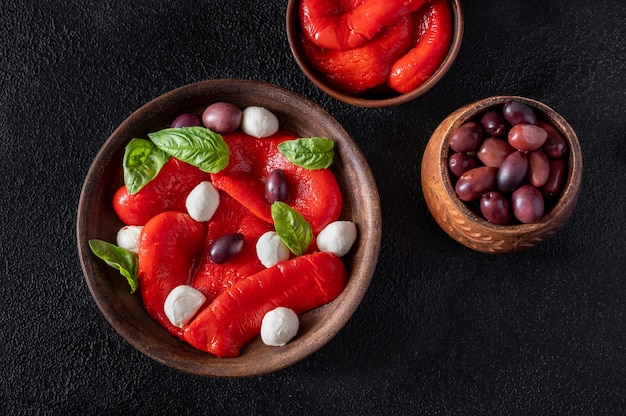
(142, 162)
(197, 146)
(119, 258)
(310, 153)
(292, 228)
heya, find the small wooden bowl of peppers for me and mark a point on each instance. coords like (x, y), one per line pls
(97, 219)
(376, 54)
(502, 174)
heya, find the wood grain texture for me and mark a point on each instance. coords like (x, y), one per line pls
(458, 221)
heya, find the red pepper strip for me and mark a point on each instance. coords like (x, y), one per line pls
(313, 193)
(346, 24)
(357, 70)
(169, 246)
(231, 217)
(234, 318)
(421, 62)
(166, 192)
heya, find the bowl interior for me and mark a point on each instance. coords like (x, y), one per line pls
(371, 99)
(96, 219)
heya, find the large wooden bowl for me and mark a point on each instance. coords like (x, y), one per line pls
(380, 98)
(96, 219)
(465, 226)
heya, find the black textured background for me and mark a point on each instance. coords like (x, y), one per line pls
(443, 330)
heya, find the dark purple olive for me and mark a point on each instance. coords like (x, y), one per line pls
(493, 151)
(512, 171)
(495, 208)
(459, 163)
(527, 204)
(556, 178)
(467, 137)
(527, 137)
(493, 123)
(555, 145)
(475, 182)
(226, 246)
(222, 117)
(538, 168)
(276, 186)
(186, 120)
(516, 112)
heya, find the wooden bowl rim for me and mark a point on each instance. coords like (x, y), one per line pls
(293, 27)
(194, 361)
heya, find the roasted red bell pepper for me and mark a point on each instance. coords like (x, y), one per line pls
(347, 24)
(166, 192)
(169, 246)
(313, 193)
(231, 217)
(357, 70)
(421, 62)
(234, 318)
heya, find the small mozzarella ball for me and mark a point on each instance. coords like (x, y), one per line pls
(259, 122)
(279, 326)
(271, 250)
(337, 237)
(202, 201)
(182, 303)
(128, 237)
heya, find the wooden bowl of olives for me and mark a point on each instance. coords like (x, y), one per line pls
(502, 174)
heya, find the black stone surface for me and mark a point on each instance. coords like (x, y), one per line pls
(443, 330)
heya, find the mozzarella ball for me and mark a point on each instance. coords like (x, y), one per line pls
(128, 237)
(271, 250)
(279, 326)
(182, 303)
(202, 201)
(337, 237)
(259, 122)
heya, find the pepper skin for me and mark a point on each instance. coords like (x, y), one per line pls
(231, 217)
(234, 318)
(421, 62)
(358, 70)
(166, 192)
(348, 24)
(169, 246)
(313, 193)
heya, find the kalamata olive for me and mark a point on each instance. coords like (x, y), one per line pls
(467, 137)
(222, 117)
(226, 246)
(495, 207)
(186, 120)
(475, 182)
(555, 145)
(512, 171)
(527, 204)
(538, 168)
(527, 137)
(556, 178)
(276, 186)
(516, 112)
(493, 151)
(493, 123)
(459, 163)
